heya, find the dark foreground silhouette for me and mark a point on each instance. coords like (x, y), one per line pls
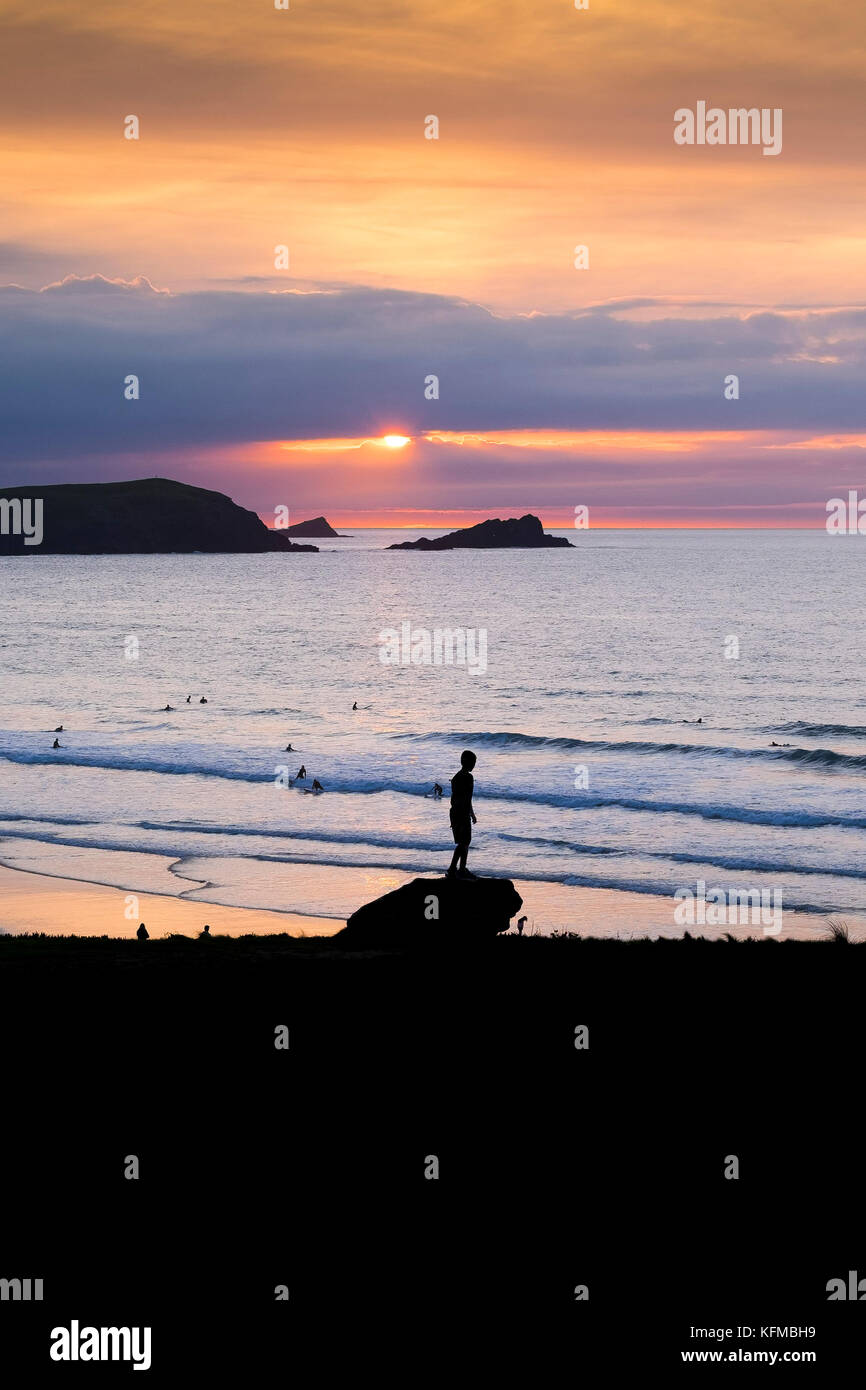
(526, 962)
(451, 912)
(581, 1096)
(462, 814)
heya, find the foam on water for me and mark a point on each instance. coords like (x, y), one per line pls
(587, 649)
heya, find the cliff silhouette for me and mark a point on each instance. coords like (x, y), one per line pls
(147, 516)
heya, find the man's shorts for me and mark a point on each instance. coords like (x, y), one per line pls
(461, 828)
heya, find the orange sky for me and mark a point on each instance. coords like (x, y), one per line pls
(305, 128)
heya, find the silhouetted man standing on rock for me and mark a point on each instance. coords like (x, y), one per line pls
(462, 815)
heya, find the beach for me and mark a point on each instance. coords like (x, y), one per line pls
(623, 756)
(57, 906)
(33, 902)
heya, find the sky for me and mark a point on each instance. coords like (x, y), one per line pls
(452, 258)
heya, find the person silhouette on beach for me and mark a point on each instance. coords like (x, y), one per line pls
(301, 774)
(202, 701)
(521, 923)
(143, 934)
(188, 698)
(57, 743)
(355, 705)
(204, 935)
(462, 815)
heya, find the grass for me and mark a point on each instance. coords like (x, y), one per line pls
(840, 931)
(180, 952)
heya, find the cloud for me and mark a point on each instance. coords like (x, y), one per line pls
(228, 378)
(306, 127)
(87, 285)
(217, 368)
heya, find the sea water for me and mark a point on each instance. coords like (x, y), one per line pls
(592, 768)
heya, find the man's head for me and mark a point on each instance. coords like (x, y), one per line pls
(467, 760)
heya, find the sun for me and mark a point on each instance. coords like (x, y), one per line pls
(396, 441)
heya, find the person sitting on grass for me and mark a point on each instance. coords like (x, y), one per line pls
(462, 815)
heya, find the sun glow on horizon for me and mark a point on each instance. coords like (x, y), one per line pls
(336, 446)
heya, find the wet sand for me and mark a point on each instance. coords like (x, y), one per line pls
(58, 906)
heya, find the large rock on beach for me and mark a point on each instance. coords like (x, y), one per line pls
(434, 911)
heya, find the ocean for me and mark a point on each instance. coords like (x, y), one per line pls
(597, 790)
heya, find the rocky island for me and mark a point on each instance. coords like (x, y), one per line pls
(524, 533)
(148, 516)
(318, 528)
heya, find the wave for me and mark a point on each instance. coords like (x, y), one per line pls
(813, 757)
(280, 833)
(499, 740)
(363, 839)
(253, 713)
(15, 816)
(710, 856)
(800, 726)
(129, 763)
(621, 884)
(260, 766)
(746, 815)
(821, 757)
